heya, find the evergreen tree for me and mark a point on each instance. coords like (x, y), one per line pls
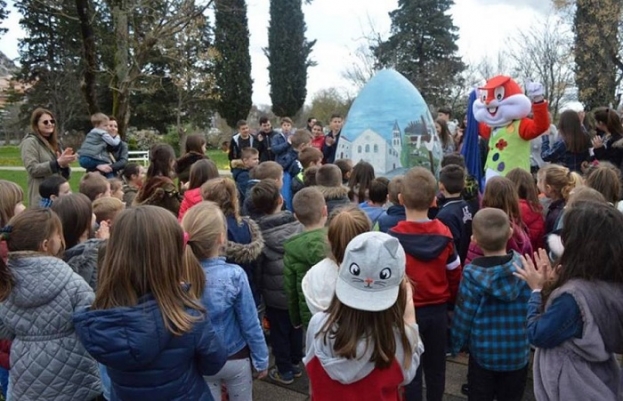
(423, 48)
(234, 85)
(288, 55)
(596, 51)
(4, 13)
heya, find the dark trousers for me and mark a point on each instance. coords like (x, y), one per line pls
(433, 324)
(285, 341)
(487, 385)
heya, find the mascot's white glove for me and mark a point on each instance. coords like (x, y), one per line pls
(535, 91)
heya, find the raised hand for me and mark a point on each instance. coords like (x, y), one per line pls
(535, 91)
(66, 158)
(103, 232)
(535, 278)
(597, 142)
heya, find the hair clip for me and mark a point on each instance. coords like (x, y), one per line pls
(6, 229)
(186, 238)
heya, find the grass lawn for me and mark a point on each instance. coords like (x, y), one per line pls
(9, 156)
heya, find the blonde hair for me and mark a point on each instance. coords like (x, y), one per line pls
(204, 225)
(224, 193)
(10, 196)
(345, 224)
(560, 179)
(145, 255)
(98, 119)
(107, 208)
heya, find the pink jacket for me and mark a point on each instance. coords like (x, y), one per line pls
(519, 242)
(191, 198)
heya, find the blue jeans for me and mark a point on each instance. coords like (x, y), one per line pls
(4, 381)
(286, 190)
(90, 164)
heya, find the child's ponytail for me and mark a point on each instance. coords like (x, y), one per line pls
(574, 180)
(204, 227)
(561, 179)
(6, 278)
(345, 224)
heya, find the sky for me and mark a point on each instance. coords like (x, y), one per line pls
(339, 26)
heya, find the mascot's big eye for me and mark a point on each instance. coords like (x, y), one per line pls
(354, 269)
(386, 273)
(498, 93)
(483, 95)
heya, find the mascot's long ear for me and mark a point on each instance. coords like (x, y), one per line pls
(392, 244)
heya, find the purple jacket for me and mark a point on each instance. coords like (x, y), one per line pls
(519, 242)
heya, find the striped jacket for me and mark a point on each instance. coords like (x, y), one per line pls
(490, 314)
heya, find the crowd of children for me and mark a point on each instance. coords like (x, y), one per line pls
(141, 287)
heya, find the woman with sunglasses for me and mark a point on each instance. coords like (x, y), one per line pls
(42, 153)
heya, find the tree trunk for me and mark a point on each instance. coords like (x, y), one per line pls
(121, 79)
(88, 84)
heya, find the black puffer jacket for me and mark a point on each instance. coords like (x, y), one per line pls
(276, 229)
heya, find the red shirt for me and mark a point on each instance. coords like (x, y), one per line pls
(317, 142)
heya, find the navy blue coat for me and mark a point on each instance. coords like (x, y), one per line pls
(144, 360)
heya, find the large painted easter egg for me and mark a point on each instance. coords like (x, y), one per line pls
(390, 126)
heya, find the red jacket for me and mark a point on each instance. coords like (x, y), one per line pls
(380, 385)
(191, 198)
(432, 261)
(534, 222)
(317, 142)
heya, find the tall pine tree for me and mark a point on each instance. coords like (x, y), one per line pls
(288, 55)
(233, 61)
(423, 48)
(4, 13)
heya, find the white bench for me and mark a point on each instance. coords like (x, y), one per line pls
(139, 156)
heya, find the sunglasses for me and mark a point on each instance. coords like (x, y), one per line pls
(49, 122)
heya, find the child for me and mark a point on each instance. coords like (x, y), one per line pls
(116, 188)
(304, 250)
(268, 170)
(195, 148)
(432, 263)
(11, 204)
(556, 183)
(317, 132)
(159, 188)
(308, 157)
(366, 345)
(453, 211)
(277, 227)
(94, 186)
(572, 149)
(145, 325)
(606, 179)
(51, 188)
(490, 315)
(395, 213)
(240, 171)
(329, 183)
(93, 153)
(346, 167)
(529, 205)
(228, 301)
(309, 177)
(360, 180)
(243, 139)
(244, 239)
(106, 209)
(332, 139)
(290, 163)
(200, 173)
(318, 284)
(77, 218)
(133, 175)
(374, 207)
(575, 310)
(500, 193)
(471, 191)
(281, 146)
(40, 293)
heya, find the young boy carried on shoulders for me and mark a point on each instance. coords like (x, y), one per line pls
(490, 314)
(93, 152)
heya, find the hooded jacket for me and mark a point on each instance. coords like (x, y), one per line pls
(585, 368)
(82, 258)
(144, 360)
(244, 247)
(457, 215)
(319, 285)
(490, 314)
(191, 198)
(335, 378)
(184, 163)
(392, 216)
(432, 261)
(48, 362)
(301, 252)
(40, 163)
(159, 191)
(373, 212)
(129, 193)
(276, 230)
(334, 197)
(519, 242)
(95, 145)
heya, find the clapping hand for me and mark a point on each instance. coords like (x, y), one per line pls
(66, 158)
(597, 142)
(535, 276)
(103, 232)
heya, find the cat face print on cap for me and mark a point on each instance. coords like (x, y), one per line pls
(371, 273)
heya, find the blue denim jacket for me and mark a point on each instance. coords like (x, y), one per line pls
(560, 322)
(231, 308)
